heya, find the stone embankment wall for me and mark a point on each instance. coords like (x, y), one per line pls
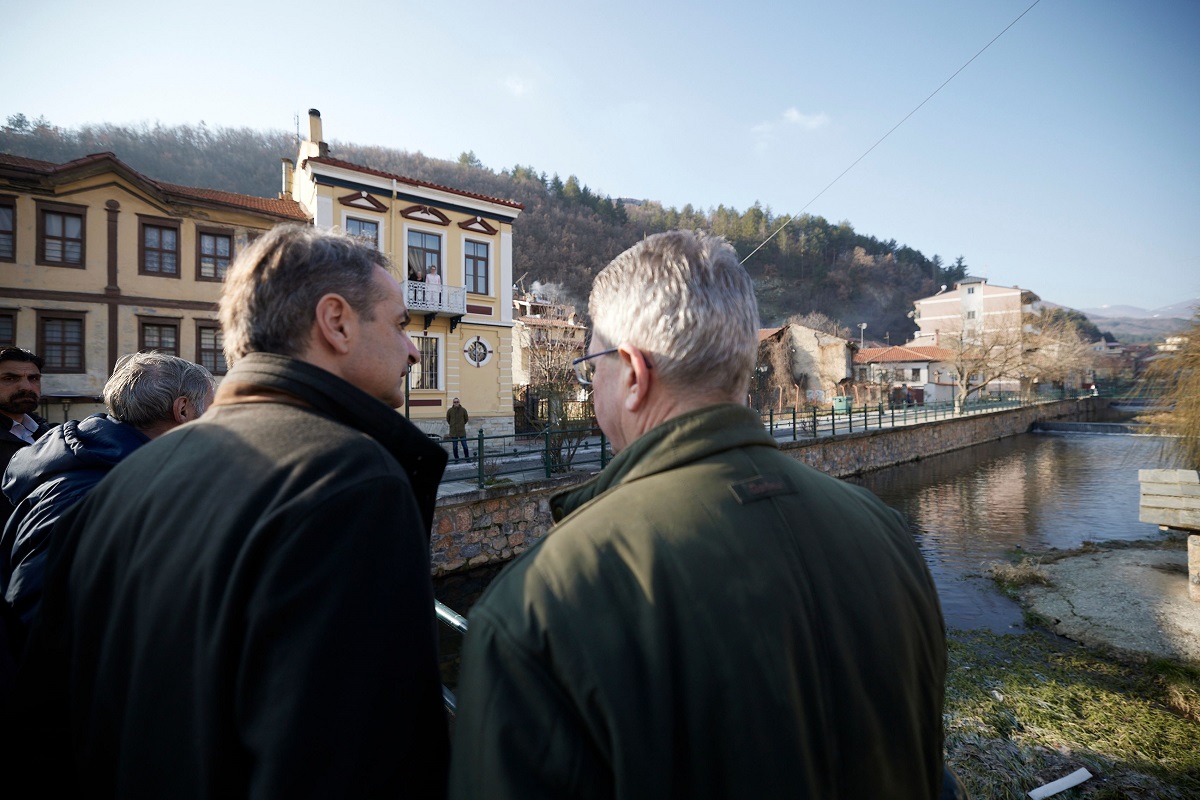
(492, 525)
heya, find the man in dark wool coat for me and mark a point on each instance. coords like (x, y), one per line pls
(243, 608)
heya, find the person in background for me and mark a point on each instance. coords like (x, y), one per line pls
(243, 608)
(20, 393)
(710, 617)
(433, 286)
(457, 418)
(147, 395)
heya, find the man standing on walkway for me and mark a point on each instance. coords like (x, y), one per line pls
(457, 418)
(710, 618)
(20, 393)
(243, 608)
(147, 395)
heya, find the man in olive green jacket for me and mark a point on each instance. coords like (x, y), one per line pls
(710, 618)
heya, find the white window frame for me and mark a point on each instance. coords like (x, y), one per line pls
(440, 338)
(379, 222)
(442, 235)
(491, 278)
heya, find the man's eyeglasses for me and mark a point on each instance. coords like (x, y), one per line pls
(585, 367)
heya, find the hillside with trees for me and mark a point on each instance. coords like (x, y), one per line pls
(567, 232)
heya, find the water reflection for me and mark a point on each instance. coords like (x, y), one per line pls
(969, 508)
(1033, 492)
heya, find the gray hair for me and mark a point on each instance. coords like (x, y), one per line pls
(271, 291)
(683, 298)
(144, 386)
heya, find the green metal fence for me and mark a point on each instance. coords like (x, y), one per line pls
(546, 453)
(812, 422)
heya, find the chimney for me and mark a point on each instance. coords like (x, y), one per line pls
(287, 167)
(314, 132)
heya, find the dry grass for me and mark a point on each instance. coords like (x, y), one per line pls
(1023, 710)
(1026, 572)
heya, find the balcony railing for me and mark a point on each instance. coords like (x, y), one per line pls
(438, 300)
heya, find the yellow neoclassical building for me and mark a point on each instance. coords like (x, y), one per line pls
(98, 260)
(455, 249)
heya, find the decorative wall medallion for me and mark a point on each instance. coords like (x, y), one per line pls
(477, 351)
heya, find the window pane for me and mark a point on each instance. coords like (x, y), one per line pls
(7, 330)
(63, 343)
(54, 224)
(425, 374)
(74, 226)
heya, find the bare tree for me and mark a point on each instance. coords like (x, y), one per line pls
(984, 355)
(1177, 376)
(555, 404)
(1058, 352)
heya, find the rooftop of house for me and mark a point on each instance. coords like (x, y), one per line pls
(897, 353)
(32, 171)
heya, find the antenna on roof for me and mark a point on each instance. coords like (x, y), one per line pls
(296, 117)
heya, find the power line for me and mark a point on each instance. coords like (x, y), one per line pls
(889, 133)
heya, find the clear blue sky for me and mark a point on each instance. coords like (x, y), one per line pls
(1065, 159)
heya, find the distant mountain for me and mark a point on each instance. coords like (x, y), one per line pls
(1181, 310)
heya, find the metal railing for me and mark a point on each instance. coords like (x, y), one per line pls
(537, 454)
(424, 297)
(459, 623)
(813, 423)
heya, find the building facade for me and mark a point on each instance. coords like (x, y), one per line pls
(98, 260)
(981, 323)
(455, 249)
(905, 374)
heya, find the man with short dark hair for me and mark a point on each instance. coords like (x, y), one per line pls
(147, 395)
(243, 608)
(709, 618)
(456, 424)
(20, 393)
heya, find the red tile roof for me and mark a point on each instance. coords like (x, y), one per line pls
(336, 162)
(289, 209)
(285, 209)
(878, 355)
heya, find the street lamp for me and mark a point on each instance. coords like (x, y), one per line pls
(862, 333)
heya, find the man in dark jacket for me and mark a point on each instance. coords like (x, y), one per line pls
(147, 395)
(20, 393)
(710, 618)
(456, 421)
(244, 608)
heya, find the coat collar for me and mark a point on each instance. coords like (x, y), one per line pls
(267, 376)
(680, 440)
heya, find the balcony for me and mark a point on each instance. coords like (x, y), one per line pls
(436, 301)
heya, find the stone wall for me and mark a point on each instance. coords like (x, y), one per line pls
(492, 525)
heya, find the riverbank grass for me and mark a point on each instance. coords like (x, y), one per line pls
(1025, 709)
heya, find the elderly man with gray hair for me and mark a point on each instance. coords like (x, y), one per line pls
(710, 618)
(147, 395)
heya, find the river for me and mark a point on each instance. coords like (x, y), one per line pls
(971, 507)
(1032, 492)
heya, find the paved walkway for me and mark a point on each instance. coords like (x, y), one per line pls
(1133, 600)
